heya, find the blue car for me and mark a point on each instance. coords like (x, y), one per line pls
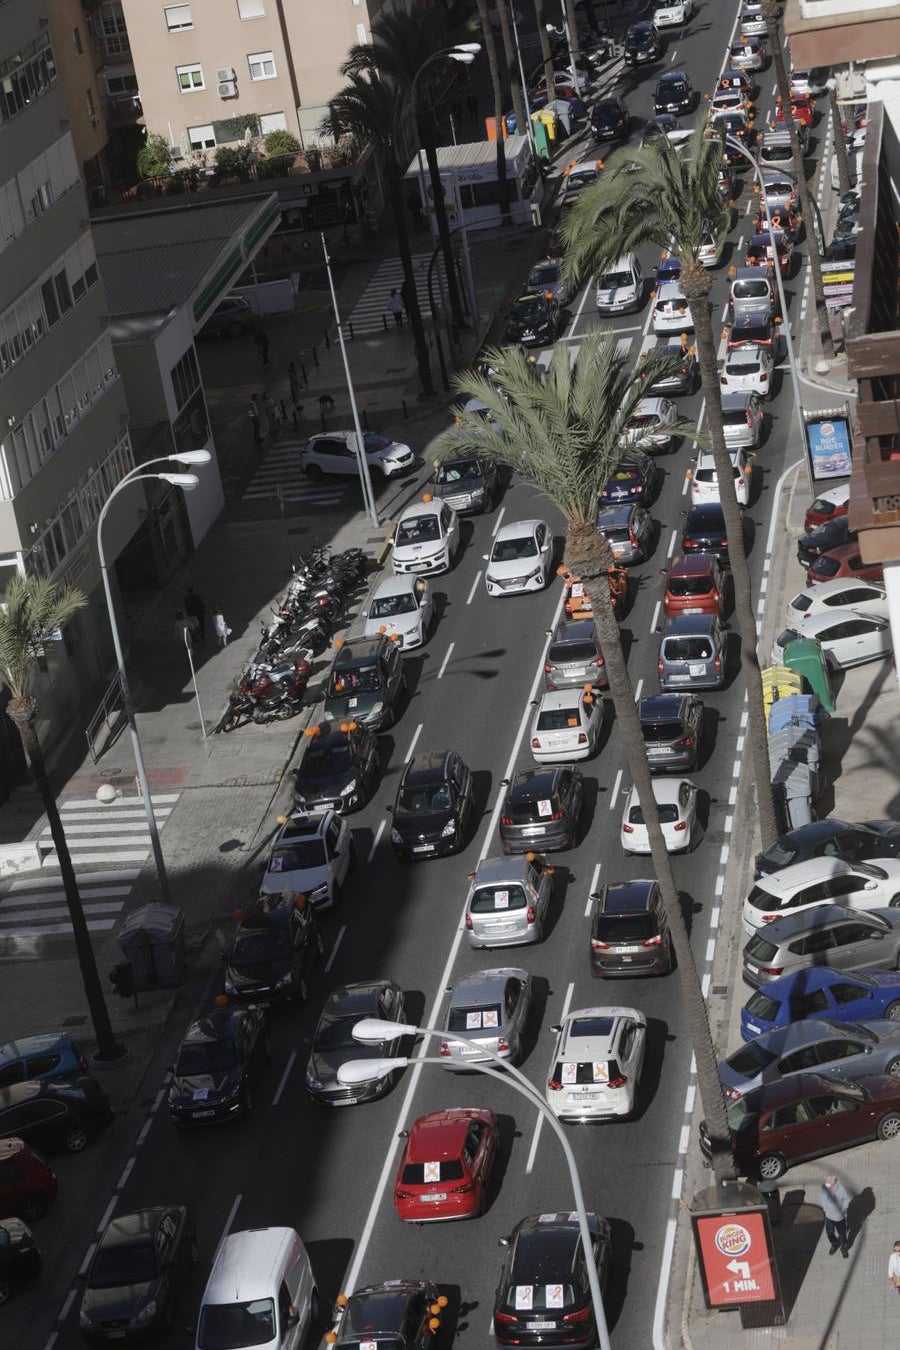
(51, 1056)
(841, 995)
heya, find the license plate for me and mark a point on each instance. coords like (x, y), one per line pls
(467, 1049)
(678, 678)
(499, 927)
(696, 668)
(435, 1197)
(692, 609)
(629, 949)
(664, 750)
(199, 1115)
(750, 1025)
(754, 970)
(345, 1101)
(540, 1326)
(577, 672)
(583, 1096)
(423, 848)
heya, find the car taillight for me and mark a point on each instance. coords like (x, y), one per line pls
(774, 971)
(653, 942)
(660, 668)
(722, 379)
(769, 918)
(445, 1048)
(749, 421)
(462, 1189)
(627, 829)
(582, 738)
(82, 1064)
(404, 1195)
(554, 1084)
(551, 687)
(547, 667)
(633, 537)
(731, 1094)
(598, 661)
(469, 922)
(598, 946)
(763, 378)
(681, 825)
(717, 665)
(723, 542)
(502, 1045)
(535, 742)
(684, 744)
(617, 1082)
(583, 1315)
(504, 1319)
(556, 815)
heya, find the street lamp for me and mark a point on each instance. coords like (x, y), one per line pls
(464, 54)
(186, 481)
(375, 1031)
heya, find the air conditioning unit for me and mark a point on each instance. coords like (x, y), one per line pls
(226, 74)
(227, 88)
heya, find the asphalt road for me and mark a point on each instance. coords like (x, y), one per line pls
(330, 1173)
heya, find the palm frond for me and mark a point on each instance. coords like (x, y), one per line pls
(33, 609)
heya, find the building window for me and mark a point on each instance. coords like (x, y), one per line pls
(185, 377)
(77, 513)
(202, 138)
(91, 106)
(26, 321)
(76, 42)
(190, 78)
(25, 78)
(112, 25)
(121, 86)
(251, 9)
(276, 121)
(262, 65)
(178, 17)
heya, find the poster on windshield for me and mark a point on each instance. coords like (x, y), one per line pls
(828, 447)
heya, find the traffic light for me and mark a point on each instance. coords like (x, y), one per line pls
(122, 978)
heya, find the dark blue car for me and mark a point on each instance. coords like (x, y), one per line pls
(841, 995)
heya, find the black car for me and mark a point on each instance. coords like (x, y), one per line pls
(434, 802)
(609, 119)
(333, 1043)
(137, 1272)
(842, 248)
(831, 839)
(541, 810)
(642, 44)
(217, 1067)
(634, 480)
(533, 320)
(630, 931)
(54, 1116)
(659, 128)
(673, 727)
(546, 1259)
(683, 375)
(704, 531)
(339, 768)
(366, 682)
(467, 483)
(674, 93)
(276, 946)
(400, 1314)
(20, 1257)
(824, 538)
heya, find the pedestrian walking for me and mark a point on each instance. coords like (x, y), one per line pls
(414, 206)
(196, 609)
(395, 305)
(253, 418)
(262, 342)
(184, 629)
(894, 1268)
(296, 391)
(835, 1204)
(220, 628)
(273, 415)
(472, 106)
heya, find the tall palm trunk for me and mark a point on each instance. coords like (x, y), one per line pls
(840, 145)
(695, 283)
(443, 226)
(512, 65)
(770, 10)
(490, 47)
(22, 711)
(410, 294)
(544, 37)
(574, 40)
(585, 555)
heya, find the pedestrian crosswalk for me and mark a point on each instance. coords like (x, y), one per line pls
(108, 846)
(280, 475)
(371, 310)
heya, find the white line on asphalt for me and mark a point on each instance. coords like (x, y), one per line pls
(412, 745)
(230, 1220)
(776, 498)
(689, 1098)
(145, 1130)
(723, 855)
(82, 1271)
(662, 1289)
(729, 821)
(500, 514)
(732, 794)
(334, 951)
(704, 985)
(474, 587)
(693, 1068)
(376, 841)
(637, 689)
(539, 1122)
(745, 718)
(677, 1183)
(67, 1306)
(714, 916)
(615, 790)
(710, 950)
(671, 549)
(655, 619)
(685, 484)
(593, 886)
(763, 585)
(740, 243)
(107, 1215)
(287, 1070)
(440, 673)
(684, 1139)
(749, 204)
(54, 1335)
(740, 744)
(719, 889)
(674, 54)
(157, 1100)
(724, 312)
(126, 1173)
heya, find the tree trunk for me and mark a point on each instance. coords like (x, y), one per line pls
(440, 215)
(410, 295)
(512, 65)
(840, 145)
(585, 555)
(770, 9)
(490, 47)
(695, 283)
(22, 712)
(574, 40)
(544, 36)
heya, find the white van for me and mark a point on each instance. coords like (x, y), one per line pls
(621, 289)
(260, 1293)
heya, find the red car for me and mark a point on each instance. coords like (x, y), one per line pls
(807, 1115)
(830, 504)
(446, 1165)
(695, 584)
(27, 1185)
(843, 561)
(802, 111)
(759, 251)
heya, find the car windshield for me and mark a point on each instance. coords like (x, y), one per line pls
(484, 1018)
(375, 444)
(419, 800)
(549, 275)
(750, 290)
(611, 281)
(740, 1116)
(578, 180)
(234, 1326)
(336, 1033)
(388, 606)
(418, 530)
(687, 649)
(691, 585)
(123, 1263)
(667, 811)
(616, 929)
(558, 719)
(322, 761)
(253, 949)
(449, 1170)
(355, 680)
(571, 653)
(490, 899)
(298, 857)
(826, 567)
(205, 1057)
(750, 1060)
(526, 308)
(510, 550)
(458, 471)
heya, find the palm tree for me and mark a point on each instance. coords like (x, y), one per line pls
(770, 12)
(840, 144)
(33, 611)
(490, 46)
(658, 195)
(517, 93)
(563, 437)
(546, 48)
(371, 109)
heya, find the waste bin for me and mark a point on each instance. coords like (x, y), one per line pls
(152, 939)
(541, 137)
(772, 1196)
(807, 658)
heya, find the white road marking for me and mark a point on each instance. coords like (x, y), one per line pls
(440, 673)
(145, 1130)
(677, 1183)
(287, 1068)
(497, 523)
(593, 886)
(337, 942)
(710, 950)
(412, 745)
(376, 841)
(740, 243)
(126, 1173)
(637, 689)
(714, 917)
(732, 794)
(107, 1215)
(749, 204)
(474, 587)
(655, 620)
(539, 1123)
(67, 1305)
(231, 1216)
(745, 718)
(684, 1139)
(671, 549)
(615, 791)
(704, 984)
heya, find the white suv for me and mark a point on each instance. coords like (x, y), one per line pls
(822, 881)
(310, 855)
(334, 452)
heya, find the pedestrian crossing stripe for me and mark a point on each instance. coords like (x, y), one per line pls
(371, 310)
(280, 475)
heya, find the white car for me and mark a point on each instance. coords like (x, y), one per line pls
(650, 426)
(730, 100)
(710, 251)
(821, 881)
(310, 855)
(676, 800)
(520, 558)
(567, 725)
(863, 597)
(334, 452)
(427, 538)
(672, 13)
(743, 419)
(705, 482)
(403, 605)
(846, 638)
(621, 288)
(596, 1064)
(807, 83)
(671, 312)
(576, 177)
(748, 368)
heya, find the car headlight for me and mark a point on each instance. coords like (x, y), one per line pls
(84, 1319)
(317, 893)
(284, 981)
(376, 710)
(146, 1313)
(533, 576)
(312, 1081)
(349, 789)
(449, 828)
(396, 837)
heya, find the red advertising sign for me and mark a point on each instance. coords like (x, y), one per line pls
(734, 1251)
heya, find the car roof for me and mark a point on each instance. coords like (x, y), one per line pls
(438, 1136)
(244, 1262)
(485, 986)
(35, 1045)
(220, 1024)
(707, 460)
(683, 625)
(842, 551)
(745, 353)
(300, 826)
(818, 622)
(428, 766)
(665, 791)
(359, 650)
(617, 513)
(789, 926)
(583, 166)
(645, 406)
(127, 1229)
(693, 565)
(627, 897)
(560, 700)
(751, 274)
(574, 630)
(379, 1310)
(817, 977)
(838, 494)
(789, 1089)
(814, 832)
(547, 1236)
(706, 511)
(661, 707)
(837, 586)
(670, 290)
(531, 784)
(671, 76)
(397, 583)
(351, 1000)
(787, 879)
(736, 398)
(495, 870)
(517, 529)
(420, 508)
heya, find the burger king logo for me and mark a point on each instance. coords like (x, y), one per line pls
(732, 1239)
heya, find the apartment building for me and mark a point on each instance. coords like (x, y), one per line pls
(64, 442)
(205, 65)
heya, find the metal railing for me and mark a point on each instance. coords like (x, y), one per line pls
(110, 716)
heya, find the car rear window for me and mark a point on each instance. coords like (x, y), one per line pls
(619, 533)
(750, 1060)
(690, 585)
(762, 1006)
(662, 731)
(801, 603)
(760, 949)
(760, 898)
(528, 812)
(734, 417)
(744, 366)
(750, 290)
(571, 653)
(558, 719)
(667, 812)
(486, 1018)
(687, 649)
(490, 899)
(624, 928)
(535, 1300)
(449, 1170)
(572, 1074)
(825, 567)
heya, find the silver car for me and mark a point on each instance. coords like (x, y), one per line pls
(846, 1049)
(574, 658)
(487, 1010)
(823, 935)
(628, 530)
(508, 902)
(692, 653)
(742, 419)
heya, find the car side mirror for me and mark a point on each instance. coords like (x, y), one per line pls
(292, 1318)
(364, 614)
(390, 810)
(485, 557)
(503, 1241)
(555, 1029)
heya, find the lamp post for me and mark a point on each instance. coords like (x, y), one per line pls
(464, 54)
(187, 481)
(374, 1031)
(528, 128)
